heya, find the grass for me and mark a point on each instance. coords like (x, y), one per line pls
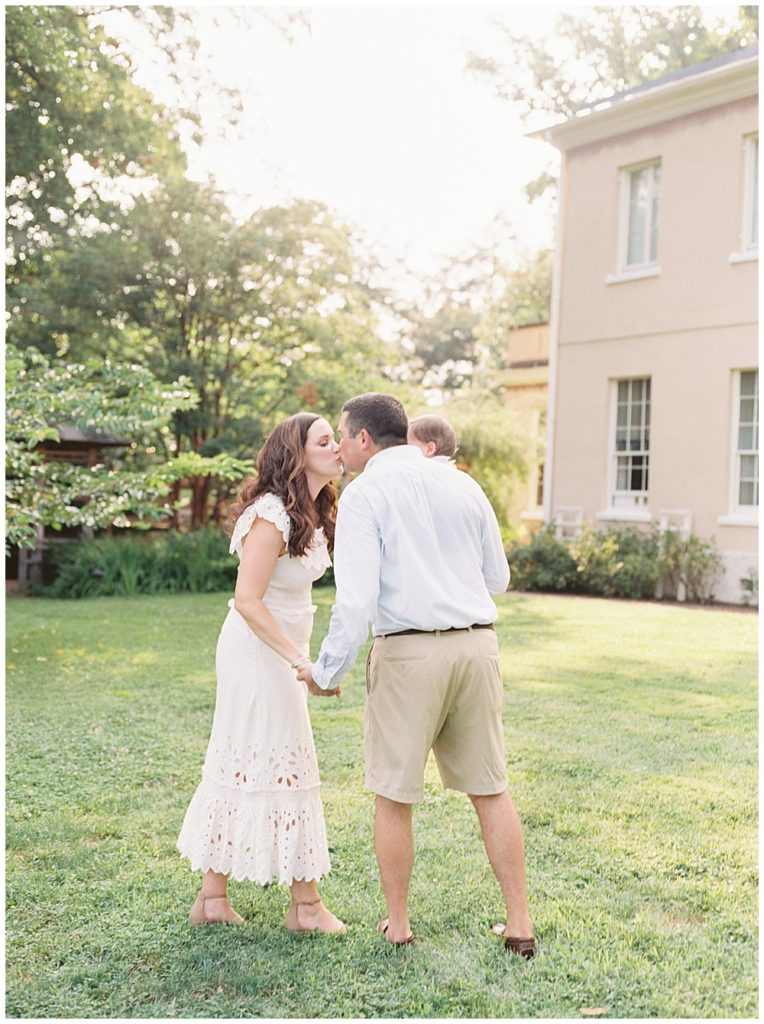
(632, 755)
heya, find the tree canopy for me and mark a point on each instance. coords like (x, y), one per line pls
(592, 54)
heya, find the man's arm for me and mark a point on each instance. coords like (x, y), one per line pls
(357, 557)
(495, 566)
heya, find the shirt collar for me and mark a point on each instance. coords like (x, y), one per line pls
(395, 453)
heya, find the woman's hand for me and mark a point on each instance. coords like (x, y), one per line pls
(305, 675)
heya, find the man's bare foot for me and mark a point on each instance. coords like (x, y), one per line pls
(213, 910)
(310, 917)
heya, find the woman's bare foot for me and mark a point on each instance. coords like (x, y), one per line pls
(312, 916)
(213, 910)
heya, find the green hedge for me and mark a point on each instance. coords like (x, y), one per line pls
(195, 562)
(625, 562)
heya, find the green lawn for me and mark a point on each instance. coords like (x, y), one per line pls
(632, 755)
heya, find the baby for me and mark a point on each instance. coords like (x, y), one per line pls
(434, 435)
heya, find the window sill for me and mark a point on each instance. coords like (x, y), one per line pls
(744, 257)
(740, 519)
(624, 515)
(633, 275)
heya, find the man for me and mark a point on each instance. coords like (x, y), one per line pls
(417, 554)
(434, 435)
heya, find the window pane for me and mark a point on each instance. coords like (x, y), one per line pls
(749, 382)
(636, 390)
(623, 390)
(638, 199)
(745, 439)
(749, 467)
(654, 214)
(746, 493)
(755, 198)
(623, 415)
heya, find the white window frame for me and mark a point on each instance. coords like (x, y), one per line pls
(637, 509)
(740, 515)
(749, 247)
(646, 267)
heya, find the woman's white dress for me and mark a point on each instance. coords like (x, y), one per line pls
(257, 812)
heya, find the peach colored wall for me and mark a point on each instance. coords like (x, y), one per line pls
(687, 329)
(700, 221)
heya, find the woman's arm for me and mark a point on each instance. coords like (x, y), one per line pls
(260, 552)
(261, 549)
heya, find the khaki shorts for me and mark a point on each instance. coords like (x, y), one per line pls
(441, 692)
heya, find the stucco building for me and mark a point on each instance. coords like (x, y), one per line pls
(653, 411)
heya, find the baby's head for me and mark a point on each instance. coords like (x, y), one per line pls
(433, 434)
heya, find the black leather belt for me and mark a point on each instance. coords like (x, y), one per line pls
(432, 632)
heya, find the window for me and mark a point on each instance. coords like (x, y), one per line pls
(631, 452)
(747, 442)
(751, 195)
(640, 188)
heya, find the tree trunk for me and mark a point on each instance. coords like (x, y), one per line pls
(200, 486)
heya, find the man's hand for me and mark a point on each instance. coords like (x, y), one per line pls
(305, 675)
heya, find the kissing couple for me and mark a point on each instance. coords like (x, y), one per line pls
(417, 555)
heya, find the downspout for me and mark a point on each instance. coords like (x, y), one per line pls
(554, 337)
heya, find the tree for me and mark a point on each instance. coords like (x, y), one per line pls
(592, 55)
(124, 400)
(70, 102)
(262, 317)
(493, 446)
(524, 298)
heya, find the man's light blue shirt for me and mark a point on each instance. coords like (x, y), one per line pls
(417, 546)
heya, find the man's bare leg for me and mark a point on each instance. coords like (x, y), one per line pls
(503, 838)
(394, 843)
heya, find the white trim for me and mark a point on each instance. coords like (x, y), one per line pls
(744, 257)
(750, 153)
(626, 269)
(738, 511)
(637, 274)
(612, 472)
(554, 343)
(712, 88)
(535, 515)
(623, 515)
(739, 519)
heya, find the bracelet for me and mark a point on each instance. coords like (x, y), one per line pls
(300, 662)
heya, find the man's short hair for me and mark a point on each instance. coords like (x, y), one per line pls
(381, 416)
(435, 428)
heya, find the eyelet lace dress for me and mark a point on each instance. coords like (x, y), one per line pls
(257, 813)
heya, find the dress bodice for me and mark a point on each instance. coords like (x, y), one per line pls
(289, 589)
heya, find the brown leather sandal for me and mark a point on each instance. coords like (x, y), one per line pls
(198, 915)
(526, 948)
(382, 929)
(299, 928)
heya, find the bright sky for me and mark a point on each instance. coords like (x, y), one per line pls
(371, 112)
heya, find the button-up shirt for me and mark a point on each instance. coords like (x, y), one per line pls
(417, 546)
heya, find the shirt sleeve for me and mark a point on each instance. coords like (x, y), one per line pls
(357, 559)
(495, 566)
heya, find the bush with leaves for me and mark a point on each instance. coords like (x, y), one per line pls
(626, 562)
(694, 563)
(545, 563)
(123, 400)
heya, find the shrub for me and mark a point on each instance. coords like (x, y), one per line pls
(626, 562)
(545, 563)
(619, 562)
(690, 561)
(194, 562)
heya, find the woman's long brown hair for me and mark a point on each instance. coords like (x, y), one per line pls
(280, 465)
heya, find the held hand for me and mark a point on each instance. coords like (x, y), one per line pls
(305, 675)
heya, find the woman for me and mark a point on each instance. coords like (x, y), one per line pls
(257, 813)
